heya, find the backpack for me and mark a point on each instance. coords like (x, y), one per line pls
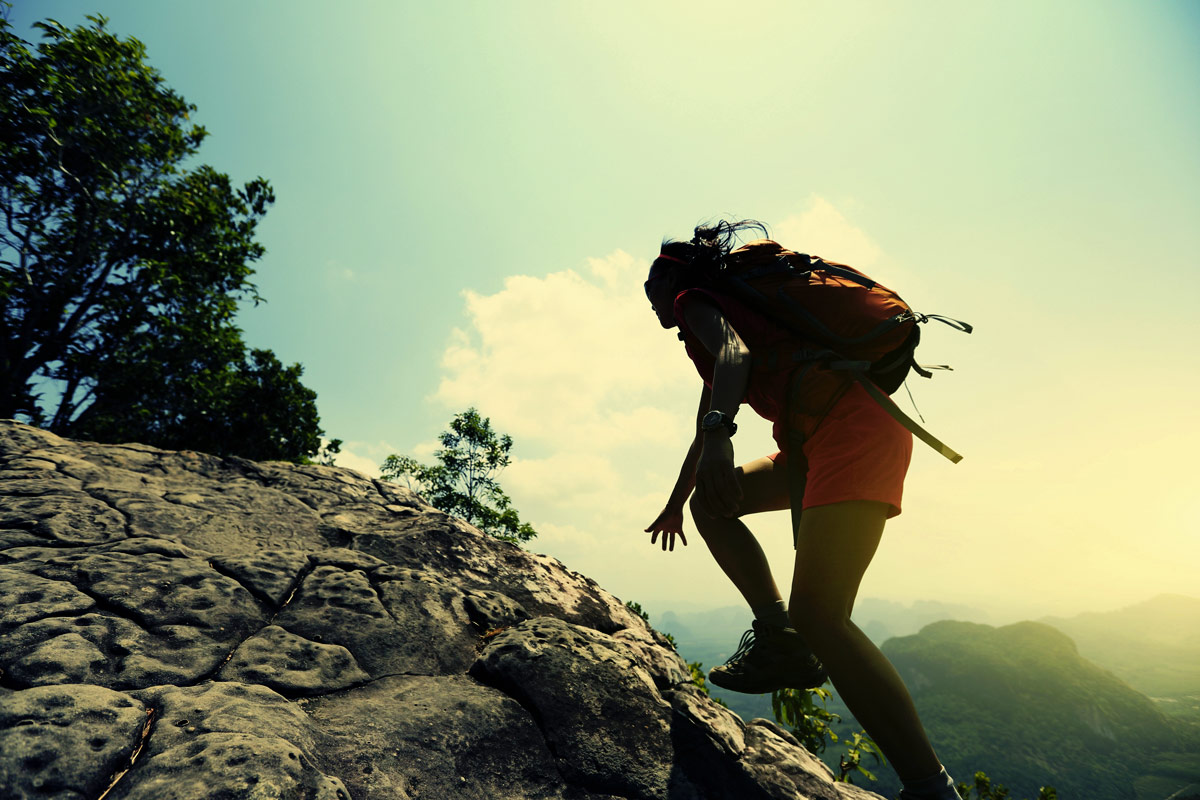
(862, 327)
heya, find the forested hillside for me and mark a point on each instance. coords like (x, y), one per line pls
(1020, 703)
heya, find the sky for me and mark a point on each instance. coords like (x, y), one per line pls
(469, 195)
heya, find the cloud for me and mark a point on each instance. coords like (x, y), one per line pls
(598, 398)
(571, 360)
(822, 230)
(367, 466)
(364, 457)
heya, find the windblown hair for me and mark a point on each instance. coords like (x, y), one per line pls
(705, 253)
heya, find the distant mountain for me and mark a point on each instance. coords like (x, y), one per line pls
(1020, 703)
(720, 629)
(1153, 646)
(882, 619)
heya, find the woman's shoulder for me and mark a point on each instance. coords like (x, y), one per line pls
(750, 325)
(699, 296)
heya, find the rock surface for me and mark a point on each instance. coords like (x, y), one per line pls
(177, 626)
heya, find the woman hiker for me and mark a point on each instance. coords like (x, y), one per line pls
(857, 456)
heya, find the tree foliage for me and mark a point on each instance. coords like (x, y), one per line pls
(464, 483)
(983, 790)
(120, 270)
(809, 722)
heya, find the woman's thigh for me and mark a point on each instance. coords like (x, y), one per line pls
(764, 487)
(834, 547)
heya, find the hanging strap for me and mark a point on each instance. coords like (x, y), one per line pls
(797, 464)
(890, 406)
(957, 324)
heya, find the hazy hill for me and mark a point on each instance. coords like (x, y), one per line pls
(1022, 704)
(1154, 646)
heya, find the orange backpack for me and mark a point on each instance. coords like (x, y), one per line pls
(864, 328)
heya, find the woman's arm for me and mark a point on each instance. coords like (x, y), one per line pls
(670, 521)
(687, 474)
(716, 483)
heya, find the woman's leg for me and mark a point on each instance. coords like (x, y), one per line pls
(731, 543)
(836, 543)
(772, 655)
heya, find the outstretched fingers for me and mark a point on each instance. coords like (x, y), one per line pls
(670, 525)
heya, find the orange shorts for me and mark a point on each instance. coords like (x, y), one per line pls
(858, 452)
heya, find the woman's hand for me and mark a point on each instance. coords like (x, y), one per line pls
(717, 486)
(668, 523)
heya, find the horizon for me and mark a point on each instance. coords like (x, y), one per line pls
(1005, 616)
(469, 197)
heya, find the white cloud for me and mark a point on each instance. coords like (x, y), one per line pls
(822, 230)
(364, 457)
(571, 360)
(367, 466)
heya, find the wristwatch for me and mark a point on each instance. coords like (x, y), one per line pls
(715, 419)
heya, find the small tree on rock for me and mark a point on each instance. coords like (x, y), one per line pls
(465, 483)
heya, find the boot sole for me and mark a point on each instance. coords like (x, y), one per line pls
(769, 686)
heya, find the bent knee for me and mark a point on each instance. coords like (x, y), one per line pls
(818, 615)
(705, 522)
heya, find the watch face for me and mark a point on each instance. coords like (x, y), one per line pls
(711, 420)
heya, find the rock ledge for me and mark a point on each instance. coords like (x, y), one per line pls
(176, 626)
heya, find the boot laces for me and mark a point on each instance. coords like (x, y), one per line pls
(743, 648)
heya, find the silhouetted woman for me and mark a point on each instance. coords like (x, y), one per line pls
(857, 456)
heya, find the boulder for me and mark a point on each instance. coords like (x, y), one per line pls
(175, 625)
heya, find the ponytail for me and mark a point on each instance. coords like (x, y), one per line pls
(704, 256)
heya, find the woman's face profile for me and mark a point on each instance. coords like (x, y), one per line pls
(658, 291)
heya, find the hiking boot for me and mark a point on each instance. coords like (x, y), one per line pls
(769, 658)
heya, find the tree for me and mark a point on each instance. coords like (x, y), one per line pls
(464, 483)
(121, 271)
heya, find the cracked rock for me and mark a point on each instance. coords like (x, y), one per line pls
(176, 626)
(436, 737)
(25, 598)
(229, 765)
(70, 519)
(491, 610)
(603, 719)
(292, 664)
(336, 606)
(65, 741)
(270, 575)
